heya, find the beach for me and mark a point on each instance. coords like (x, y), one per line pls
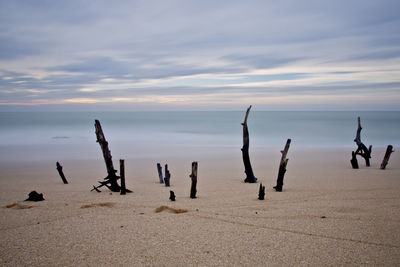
(328, 213)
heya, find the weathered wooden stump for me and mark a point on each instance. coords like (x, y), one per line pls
(250, 178)
(61, 173)
(385, 161)
(261, 192)
(171, 195)
(362, 150)
(122, 173)
(193, 176)
(159, 169)
(282, 167)
(167, 176)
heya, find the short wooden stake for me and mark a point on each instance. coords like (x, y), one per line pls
(122, 174)
(61, 173)
(167, 176)
(193, 189)
(261, 192)
(385, 161)
(159, 169)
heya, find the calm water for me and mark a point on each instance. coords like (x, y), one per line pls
(44, 134)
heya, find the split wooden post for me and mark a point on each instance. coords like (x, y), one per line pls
(362, 150)
(122, 173)
(167, 176)
(193, 175)
(261, 192)
(385, 161)
(250, 178)
(159, 169)
(282, 167)
(61, 173)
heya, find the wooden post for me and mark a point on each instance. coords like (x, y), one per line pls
(282, 167)
(261, 192)
(61, 173)
(354, 162)
(171, 195)
(122, 173)
(250, 178)
(385, 161)
(167, 176)
(362, 150)
(159, 169)
(193, 189)
(111, 180)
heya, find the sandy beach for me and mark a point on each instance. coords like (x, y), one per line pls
(327, 215)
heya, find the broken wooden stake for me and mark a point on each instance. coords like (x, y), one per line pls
(261, 192)
(282, 167)
(193, 175)
(354, 162)
(385, 161)
(167, 176)
(250, 178)
(362, 150)
(171, 195)
(122, 173)
(159, 169)
(61, 173)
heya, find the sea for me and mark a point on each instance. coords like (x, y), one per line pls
(30, 136)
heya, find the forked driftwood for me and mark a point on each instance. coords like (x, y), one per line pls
(250, 178)
(261, 192)
(61, 173)
(362, 150)
(282, 167)
(111, 180)
(193, 176)
(385, 161)
(159, 169)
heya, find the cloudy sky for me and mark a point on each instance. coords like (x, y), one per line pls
(144, 55)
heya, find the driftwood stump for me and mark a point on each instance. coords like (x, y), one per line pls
(362, 150)
(159, 169)
(354, 162)
(171, 195)
(61, 173)
(261, 192)
(167, 176)
(193, 176)
(250, 178)
(122, 173)
(35, 196)
(282, 167)
(385, 161)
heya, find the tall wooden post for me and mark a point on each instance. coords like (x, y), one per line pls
(160, 176)
(385, 161)
(282, 167)
(167, 176)
(122, 173)
(193, 189)
(250, 178)
(61, 173)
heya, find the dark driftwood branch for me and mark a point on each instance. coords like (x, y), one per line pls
(354, 162)
(250, 178)
(61, 173)
(167, 176)
(261, 192)
(282, 167)
(385, 161)
(122, 173)
(362, 150)
(193, 175)
(159, 169)
(111, 180)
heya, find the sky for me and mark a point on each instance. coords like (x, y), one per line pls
(199, 55)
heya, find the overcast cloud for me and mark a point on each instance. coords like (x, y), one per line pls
(135, 55)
